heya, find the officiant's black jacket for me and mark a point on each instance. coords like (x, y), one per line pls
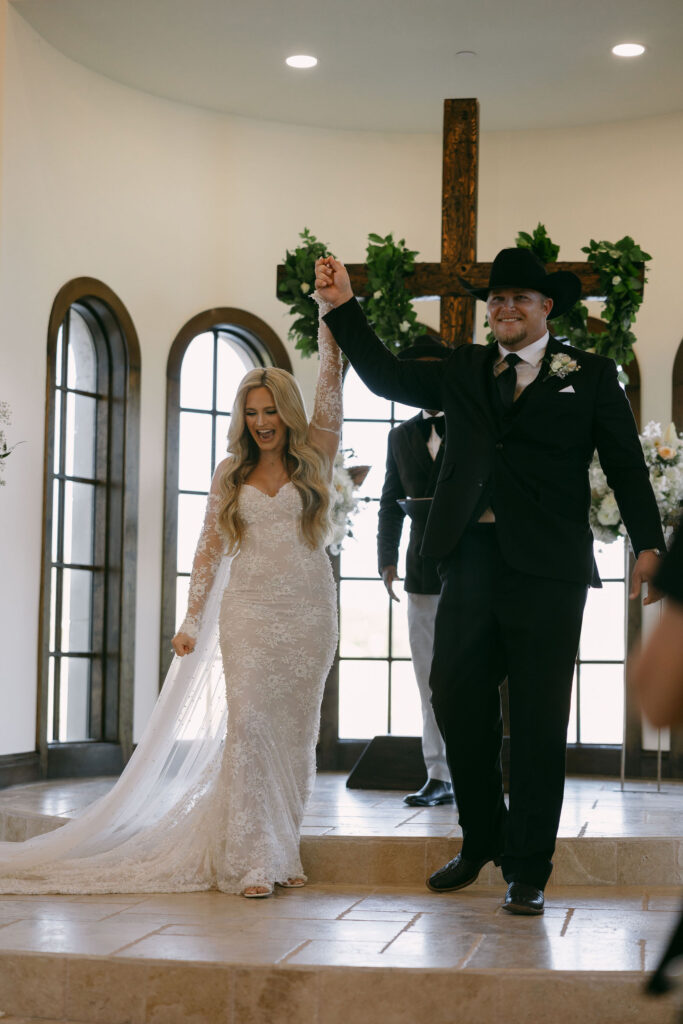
(411, 473)
(532, 463)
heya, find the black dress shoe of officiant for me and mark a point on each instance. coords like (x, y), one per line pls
(434, 792)
(523, 899)
(456, 874)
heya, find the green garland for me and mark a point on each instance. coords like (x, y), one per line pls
(296, 288)
(388, 307)
(616, 263)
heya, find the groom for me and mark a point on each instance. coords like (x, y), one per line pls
(509, 528)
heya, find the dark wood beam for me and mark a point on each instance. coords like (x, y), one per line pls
(459, 212)
(436, 280)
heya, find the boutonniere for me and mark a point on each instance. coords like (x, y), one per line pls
(561, 365)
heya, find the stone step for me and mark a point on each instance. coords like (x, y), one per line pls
(386, 860)
(394, 860)
(334, 954)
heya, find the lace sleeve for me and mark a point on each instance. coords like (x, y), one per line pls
(327, 408)
(207, 558)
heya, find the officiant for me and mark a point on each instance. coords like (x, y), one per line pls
(414, 458)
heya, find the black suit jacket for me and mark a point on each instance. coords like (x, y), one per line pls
(411, 473)
(533, 463)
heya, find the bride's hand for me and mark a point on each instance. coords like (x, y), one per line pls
(182, 644)
(332, 281)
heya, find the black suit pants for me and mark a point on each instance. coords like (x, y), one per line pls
(494, 621)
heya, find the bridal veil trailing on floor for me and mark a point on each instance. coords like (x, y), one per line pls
(158, 829)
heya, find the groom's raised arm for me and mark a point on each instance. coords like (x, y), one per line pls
(411, 382)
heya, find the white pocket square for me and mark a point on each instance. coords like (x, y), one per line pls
(569, 390)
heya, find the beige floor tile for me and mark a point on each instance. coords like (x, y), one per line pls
(665, 898)
(385, 996)
(602, 897)
(494, 920)
(580, 952)
(335, 953)
(278, 997)
(198, 995)
(106, 991)
(33, 985)
(237, 949)
(300, 929)
(62, 908)
(400, 916)
(99, 938)
(640, 924)
(433, 949)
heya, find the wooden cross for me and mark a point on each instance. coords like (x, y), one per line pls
(459, 233)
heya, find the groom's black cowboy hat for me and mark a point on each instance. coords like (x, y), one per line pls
(519, 268)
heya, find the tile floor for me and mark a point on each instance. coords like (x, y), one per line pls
(592, 808)
(332, 952)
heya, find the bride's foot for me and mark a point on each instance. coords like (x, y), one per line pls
(257, 891)
(293, 883)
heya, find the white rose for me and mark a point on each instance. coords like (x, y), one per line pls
(305, 287)
(616, 280)
(404, 326)
(377, 294)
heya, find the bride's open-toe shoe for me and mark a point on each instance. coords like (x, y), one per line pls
(257, 892)
(292, 883)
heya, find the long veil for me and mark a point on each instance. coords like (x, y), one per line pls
(154, 830)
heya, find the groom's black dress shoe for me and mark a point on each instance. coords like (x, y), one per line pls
(523, 899)
(456, 874)
(434, 792)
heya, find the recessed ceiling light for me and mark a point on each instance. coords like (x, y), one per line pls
(301, 60)
(628, 50)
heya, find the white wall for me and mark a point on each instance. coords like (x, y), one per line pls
(179, 210)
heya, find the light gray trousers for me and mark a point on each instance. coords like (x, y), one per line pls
(421, 616)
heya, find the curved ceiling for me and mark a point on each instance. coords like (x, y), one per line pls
(384, 65)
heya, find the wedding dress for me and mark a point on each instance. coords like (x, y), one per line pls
(214, 795)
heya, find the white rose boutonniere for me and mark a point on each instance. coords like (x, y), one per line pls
(561, 365)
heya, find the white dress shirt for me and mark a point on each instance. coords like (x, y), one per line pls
(434, 439)
(531, 358)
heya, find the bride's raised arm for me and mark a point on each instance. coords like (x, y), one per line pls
(326, 422)
(207, 558)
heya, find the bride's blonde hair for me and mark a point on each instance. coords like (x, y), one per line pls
(309, 466)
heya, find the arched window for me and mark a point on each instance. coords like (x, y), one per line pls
(87, 627)
(377, 694)
(377, 689)
(596, 726)
(207, 360)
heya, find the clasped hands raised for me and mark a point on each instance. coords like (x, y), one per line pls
(332, 281)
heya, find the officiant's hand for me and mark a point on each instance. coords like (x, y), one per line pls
(644, 571)
(182, 644)
(332, 281)
(390, 575)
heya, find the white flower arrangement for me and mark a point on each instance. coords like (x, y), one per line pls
(561, 365)
(345, 479)
(663, 451)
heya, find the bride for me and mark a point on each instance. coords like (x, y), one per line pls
(215, 793)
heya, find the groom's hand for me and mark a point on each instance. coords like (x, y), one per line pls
(332, 281)
(644, 571)
(390, 576)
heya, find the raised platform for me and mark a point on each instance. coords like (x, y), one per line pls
(365, 941)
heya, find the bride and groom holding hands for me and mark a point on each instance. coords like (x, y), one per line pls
(508, 529)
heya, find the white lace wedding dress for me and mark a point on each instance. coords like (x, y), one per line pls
(215, 793)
